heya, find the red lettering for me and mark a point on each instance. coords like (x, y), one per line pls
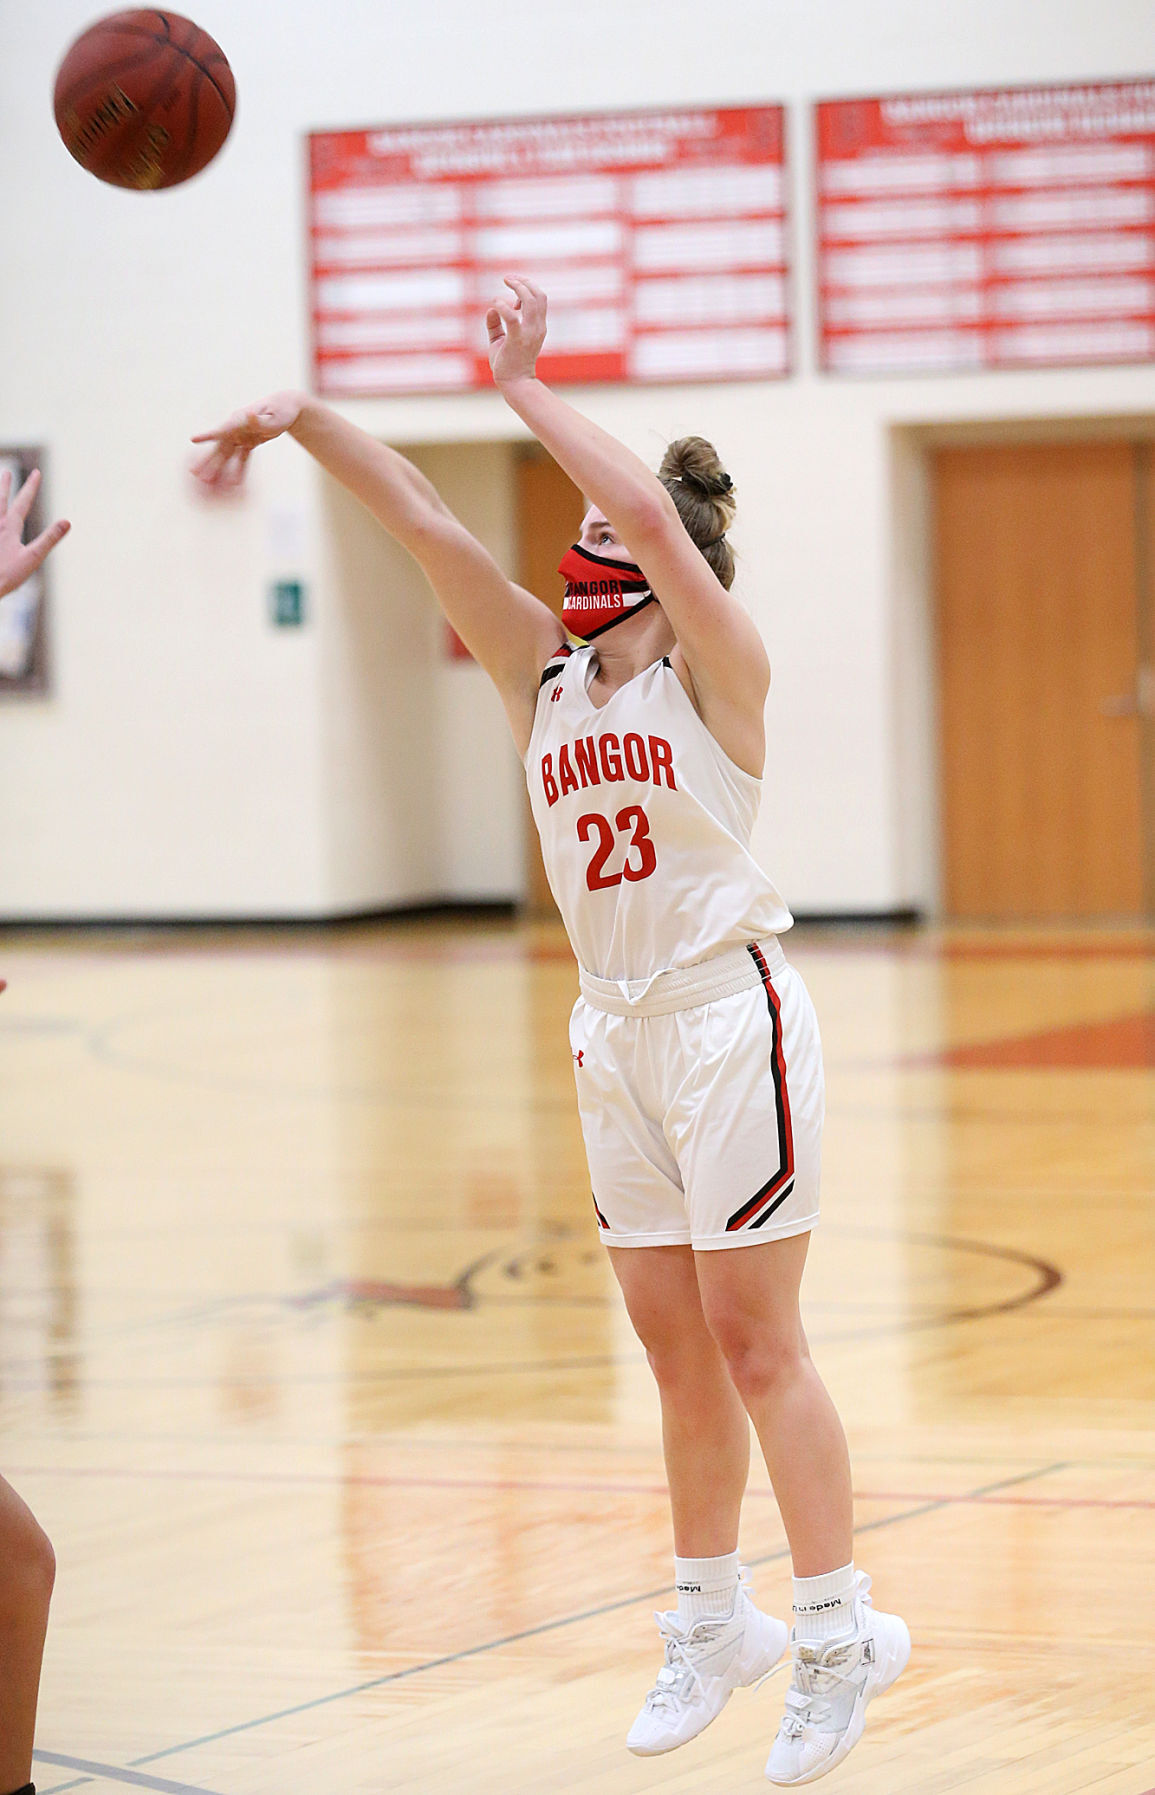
(662, 761)
(610, 758)
(565, 770)
(586, 755)
(548, 782)
(637, 766)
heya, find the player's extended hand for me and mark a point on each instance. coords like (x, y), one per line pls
(19, 559)
(223, 468)
(516, 330)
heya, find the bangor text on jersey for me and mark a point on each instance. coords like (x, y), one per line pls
(595, 758)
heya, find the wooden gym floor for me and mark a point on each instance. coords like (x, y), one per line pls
(312, 1366)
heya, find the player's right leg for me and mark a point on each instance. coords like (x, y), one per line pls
(27, 1571)
(717, 1640)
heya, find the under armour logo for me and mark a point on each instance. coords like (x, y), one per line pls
(580, 1055)
(555, 695)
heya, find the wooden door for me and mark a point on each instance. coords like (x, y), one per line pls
(1145, 684)
(549, 514)
(1038, 652)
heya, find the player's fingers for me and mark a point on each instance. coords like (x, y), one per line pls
(232, 471)
(5, 489)
(42, 546)
(494, 325)
(507, 313)
(531, 298)
(22, 503)
(204, 465)
(237, 424)
(222, 432)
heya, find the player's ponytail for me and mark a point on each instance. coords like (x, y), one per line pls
(704, 494)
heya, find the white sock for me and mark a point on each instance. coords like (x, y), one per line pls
(824, 1606)
(706, 1586)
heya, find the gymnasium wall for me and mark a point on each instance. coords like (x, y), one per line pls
(193, 760)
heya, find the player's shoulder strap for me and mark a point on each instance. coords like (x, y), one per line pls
(555, 664)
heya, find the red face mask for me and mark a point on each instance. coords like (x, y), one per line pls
(599, 592)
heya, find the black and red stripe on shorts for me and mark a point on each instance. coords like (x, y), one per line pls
(757, 1210)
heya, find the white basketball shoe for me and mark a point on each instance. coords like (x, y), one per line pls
(833, 1681)
(705, 1663)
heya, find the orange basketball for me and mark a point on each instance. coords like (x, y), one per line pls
(144, 99)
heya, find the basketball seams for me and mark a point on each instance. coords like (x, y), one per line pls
(193, 120)
(187, 50)
(162, 41)
(229, 105)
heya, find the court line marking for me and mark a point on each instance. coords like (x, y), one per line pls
(539, 1486)
(1048, 1278)
(116, 1773)
(554, 1626)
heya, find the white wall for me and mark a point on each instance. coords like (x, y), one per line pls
(192, 760)
(421, 785)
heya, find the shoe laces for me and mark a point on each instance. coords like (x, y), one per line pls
(817, 1674)
(679, 1674)
(808, 1699)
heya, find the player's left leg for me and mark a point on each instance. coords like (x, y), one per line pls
(843, 1652)
(27, 1570)
(750, 1301)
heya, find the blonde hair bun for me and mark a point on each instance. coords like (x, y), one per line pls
(703, 492)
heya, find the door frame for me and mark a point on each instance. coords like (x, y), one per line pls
(915, 733)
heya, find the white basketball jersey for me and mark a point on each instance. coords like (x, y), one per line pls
(644, 823)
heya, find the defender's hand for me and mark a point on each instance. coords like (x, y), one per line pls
(19, 559)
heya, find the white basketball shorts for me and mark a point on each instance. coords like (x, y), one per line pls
(702, 1103)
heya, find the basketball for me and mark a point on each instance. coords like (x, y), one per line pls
(144, 99)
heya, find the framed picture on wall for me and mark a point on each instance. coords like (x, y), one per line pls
(23, 620)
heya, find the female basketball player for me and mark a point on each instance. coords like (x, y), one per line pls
(696, 1052)
(27, 1564)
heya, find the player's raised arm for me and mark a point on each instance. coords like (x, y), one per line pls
(723, 651)
(509, 631)
(19, 559)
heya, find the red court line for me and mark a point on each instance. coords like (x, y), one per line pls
(538, 1486)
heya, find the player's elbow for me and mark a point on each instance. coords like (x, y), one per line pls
(428, 529)
(647, 519)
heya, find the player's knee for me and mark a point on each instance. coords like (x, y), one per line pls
(43, 1563)
(762, 1360)
(685, 1368)
(28, 1561)
(669, 1365)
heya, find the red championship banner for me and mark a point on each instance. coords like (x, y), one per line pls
(658, 236)
(1007, 228)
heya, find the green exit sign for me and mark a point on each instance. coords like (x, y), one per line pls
(287, 603)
